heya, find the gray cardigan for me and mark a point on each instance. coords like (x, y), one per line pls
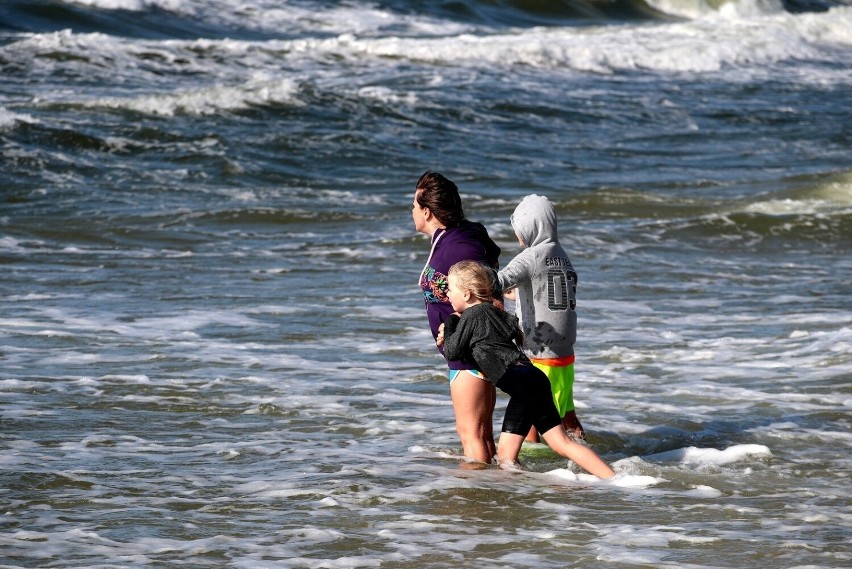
(484, 335)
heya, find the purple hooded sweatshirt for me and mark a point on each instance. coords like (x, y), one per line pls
(468, 241)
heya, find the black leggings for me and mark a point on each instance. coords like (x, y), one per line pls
(531, 401)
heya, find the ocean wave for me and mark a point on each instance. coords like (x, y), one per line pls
(713, 457)
(221, 18)
(815, 209)
(708, 44)
(132, 5)
(264, 216)
(411, 17)
(9, 119)
(729, 8)
(823, 195)
(696, 46)
(210, 100)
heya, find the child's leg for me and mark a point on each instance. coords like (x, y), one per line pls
(532, 399)
(572, 424)
(560, 372)
(586, 458)
(516, 423)
(492, 403)
(527, 386)
(508, 449)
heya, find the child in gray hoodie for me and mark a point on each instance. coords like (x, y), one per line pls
(545, 287)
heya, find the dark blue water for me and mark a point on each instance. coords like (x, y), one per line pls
(212, 348)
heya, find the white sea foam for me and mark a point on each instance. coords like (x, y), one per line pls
(715, 457)
(726, 8)
(239, 75)
(828, 196)
(132, 5)
(209, 100)
(8, 118)
(622, 480)
(692, 46)
(387, 95)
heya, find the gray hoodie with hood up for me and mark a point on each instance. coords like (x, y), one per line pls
(545, 280)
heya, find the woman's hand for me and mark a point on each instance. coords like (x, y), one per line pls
(439, 341)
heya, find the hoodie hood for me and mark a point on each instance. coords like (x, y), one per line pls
(534, 221)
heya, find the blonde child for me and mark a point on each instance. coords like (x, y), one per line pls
(482, 334)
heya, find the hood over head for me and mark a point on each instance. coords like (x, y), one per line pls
(534, 220)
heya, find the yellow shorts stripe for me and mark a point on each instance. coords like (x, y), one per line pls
(561, 383)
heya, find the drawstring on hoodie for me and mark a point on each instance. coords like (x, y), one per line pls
(431, 252)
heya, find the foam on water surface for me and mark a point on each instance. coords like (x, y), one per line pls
(239, 76)
(715, 457)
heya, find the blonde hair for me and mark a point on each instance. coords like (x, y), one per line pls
(476, 278)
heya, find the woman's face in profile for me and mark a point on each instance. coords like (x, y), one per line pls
(418, 215)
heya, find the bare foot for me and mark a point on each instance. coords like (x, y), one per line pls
(512, 465)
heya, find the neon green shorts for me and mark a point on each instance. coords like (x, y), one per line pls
(560, 372)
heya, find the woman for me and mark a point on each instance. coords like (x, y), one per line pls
(437, 212)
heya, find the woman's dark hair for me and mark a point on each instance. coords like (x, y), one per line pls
(441, 196)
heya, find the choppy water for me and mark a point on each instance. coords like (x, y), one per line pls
(212, 348)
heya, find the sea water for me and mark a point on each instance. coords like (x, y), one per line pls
(213, 350)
